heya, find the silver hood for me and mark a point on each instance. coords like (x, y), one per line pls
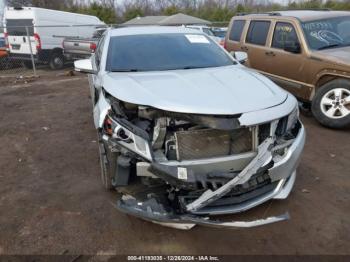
(226, 90)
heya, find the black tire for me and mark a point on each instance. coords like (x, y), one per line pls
(305, 109)
(108, 162)
(28, 64)
(56, 61)
(335, 118)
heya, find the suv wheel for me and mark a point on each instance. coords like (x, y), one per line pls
(331, 104)
(56, 61)
(108, 161)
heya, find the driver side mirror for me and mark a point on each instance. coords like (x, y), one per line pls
(84, 66)
(292, 47)
(241, 57)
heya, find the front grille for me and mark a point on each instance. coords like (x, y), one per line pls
(258, 185)
(207, 143)
(264, 132)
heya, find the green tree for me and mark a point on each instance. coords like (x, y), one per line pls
(106, 14)
(312, 4)
(171, 10)
(292, 5)
(240, 9)
(132, 13)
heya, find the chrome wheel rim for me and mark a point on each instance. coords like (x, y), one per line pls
(58, 61)
(335, 104)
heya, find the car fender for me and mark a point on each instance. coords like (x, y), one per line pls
(100, 110)
(326, 76)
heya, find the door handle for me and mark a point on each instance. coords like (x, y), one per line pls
(24, 39)
(244, 48)
(270, 53)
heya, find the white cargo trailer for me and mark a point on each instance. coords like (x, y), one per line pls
(47, 29)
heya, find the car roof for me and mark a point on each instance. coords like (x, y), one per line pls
(197, 26)
(147, 30)
(304, 15)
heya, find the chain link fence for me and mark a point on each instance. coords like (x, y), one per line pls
(31, 51)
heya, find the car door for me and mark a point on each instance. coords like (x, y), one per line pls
(285, 59)
(234, 35)
(255, 43)
(17, 35)
(99, 102)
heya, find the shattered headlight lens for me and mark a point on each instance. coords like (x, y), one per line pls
(293, 118)
(128, 139)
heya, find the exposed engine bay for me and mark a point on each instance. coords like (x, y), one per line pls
(176, 169)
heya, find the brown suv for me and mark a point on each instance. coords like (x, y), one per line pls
(306, 52)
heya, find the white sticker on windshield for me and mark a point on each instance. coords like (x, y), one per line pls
(197, 39)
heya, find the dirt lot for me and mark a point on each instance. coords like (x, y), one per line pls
(51, 200)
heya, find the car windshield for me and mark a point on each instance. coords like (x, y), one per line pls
(208, 31)
(17, 27)
(327, 33)
(154, 52)
(220, 34)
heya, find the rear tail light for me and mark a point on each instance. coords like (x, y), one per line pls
(92, 47)
(37, 41)
(225, 44)
(222, 43)
(7, 45)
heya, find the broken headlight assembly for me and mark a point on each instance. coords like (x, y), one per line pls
(128, 136)
(293, 118)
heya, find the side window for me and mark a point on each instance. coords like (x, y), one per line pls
(236, 30)
(284, 35)
(257, 32)
(99, 50)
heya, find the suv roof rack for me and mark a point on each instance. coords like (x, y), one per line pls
(278, 13)
(266, 13)
(311, 9)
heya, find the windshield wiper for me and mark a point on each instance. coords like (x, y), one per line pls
(329, 46)
(193, 67)
(196, 67)
(125, 70)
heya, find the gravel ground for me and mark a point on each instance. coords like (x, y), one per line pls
(51, 200)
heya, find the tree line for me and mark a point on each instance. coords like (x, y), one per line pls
(112, 12)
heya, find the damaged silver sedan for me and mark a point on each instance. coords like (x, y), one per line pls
(186, 131)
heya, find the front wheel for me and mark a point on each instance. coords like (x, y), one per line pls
(108, 161)
(331, 104)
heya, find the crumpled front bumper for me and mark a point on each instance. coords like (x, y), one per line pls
(283, 172)
(150, 211)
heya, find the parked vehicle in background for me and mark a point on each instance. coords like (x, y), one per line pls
(306, 52)
(47, 29)
(206, 30)
(186, 131)
(78, 48)
(221, 33)
(3, 52)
